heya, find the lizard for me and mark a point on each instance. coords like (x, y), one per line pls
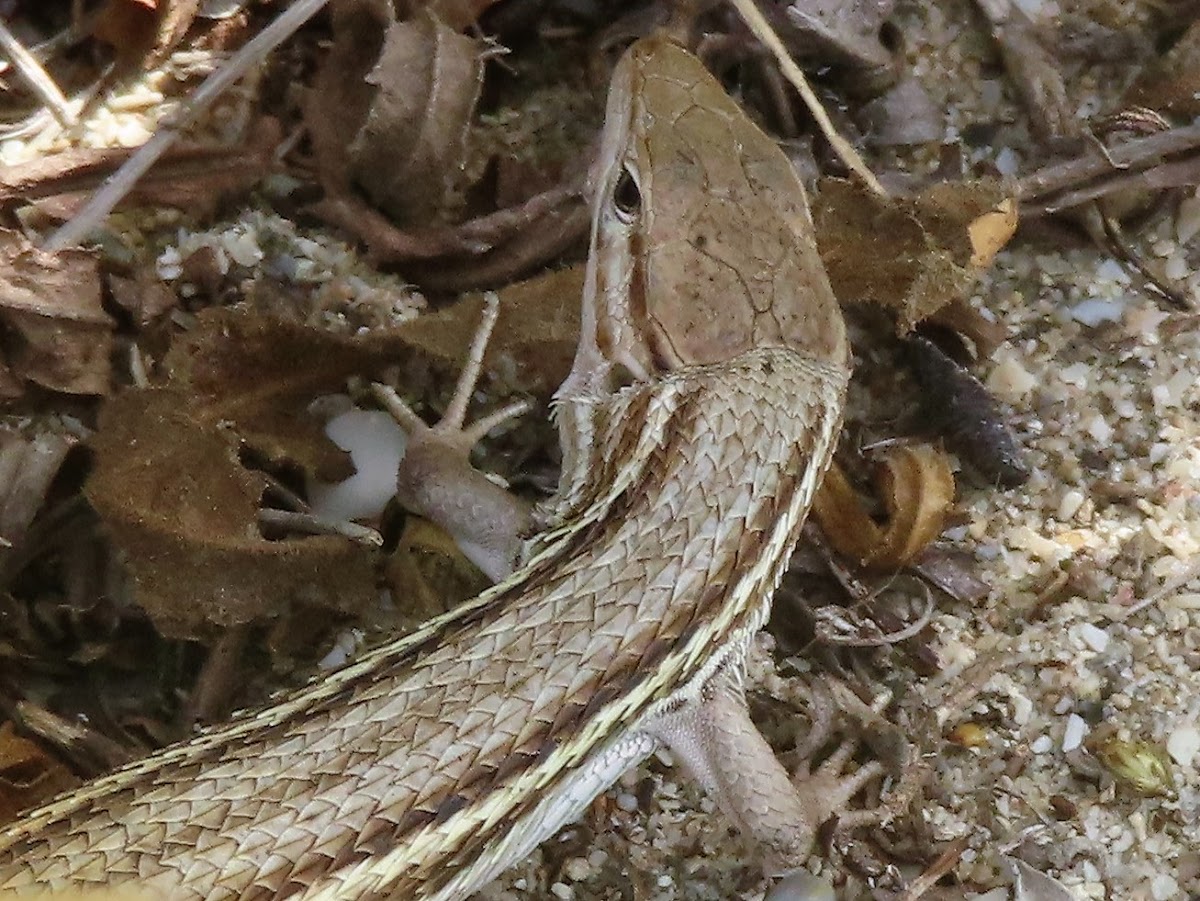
(696, 423)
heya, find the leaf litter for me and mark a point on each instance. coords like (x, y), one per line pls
(188, 353)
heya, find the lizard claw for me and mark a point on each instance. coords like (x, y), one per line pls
(450, 429)
(830, 788)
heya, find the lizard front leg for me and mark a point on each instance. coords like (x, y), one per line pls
(436, 478)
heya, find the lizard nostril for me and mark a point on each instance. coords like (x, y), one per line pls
(627, 197)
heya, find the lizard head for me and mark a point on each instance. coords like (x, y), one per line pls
(702, 242)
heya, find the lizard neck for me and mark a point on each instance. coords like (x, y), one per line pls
(705, 476)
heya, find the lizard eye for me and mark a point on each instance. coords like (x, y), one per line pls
(627, 198)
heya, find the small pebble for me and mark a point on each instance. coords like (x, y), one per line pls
(1184, 744)
(801, 886)
(1164, 887)
(1187, 223)
(1094, 311)
(1074, 733)
(1099, 429)
(577, 869)
(1094, 637)
(1070, 504)
(1011, 380)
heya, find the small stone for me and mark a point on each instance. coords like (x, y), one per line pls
(1164, 887)
(1011, 380)
(242, 247)
(801, 886)
(1070, 504)
(1074, 733)
(1099, 429)
(1042, 744)
(562, 891)
(627, 802)
(1095, 311)
(577, 869)
(1095, 638)
(1187, 223)
(1176, 267)
(1007, 162)
(1183, 744)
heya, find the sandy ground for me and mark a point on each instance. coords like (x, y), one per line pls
(1091, 635)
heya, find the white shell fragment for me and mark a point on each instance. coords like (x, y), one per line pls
(375, 443)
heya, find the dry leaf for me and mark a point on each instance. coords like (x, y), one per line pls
(488, 251)
(905, 115)
(174, 496)
(1031, 885)
(917, 487)
(411, 146)
(190, 177)
(60, 337)
(959, 316)
(1171, 82)
(1032, 69)
(143, 32)
(340, 98)
(145, 297)
(844, 34)
(170, 485)
(458, 14)
(255, 373)
(28, 775)
(429, 571)
(953, 572)
(406, 92)
(966, 415)
(990, 231)
(28, 464)
(923, 252)
(535, 335)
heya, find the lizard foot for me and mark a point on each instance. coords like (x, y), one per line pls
(436, 479)
(830, 789)
(450, 431)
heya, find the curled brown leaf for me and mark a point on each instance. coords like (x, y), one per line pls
(917, 487)
(175, 498)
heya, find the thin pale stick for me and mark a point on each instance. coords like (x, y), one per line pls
(764, 32)
(317, 525)
(36, 77)
(122, 181)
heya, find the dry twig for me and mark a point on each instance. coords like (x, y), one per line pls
(123, 180)
(36, 77)
(762, 30)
